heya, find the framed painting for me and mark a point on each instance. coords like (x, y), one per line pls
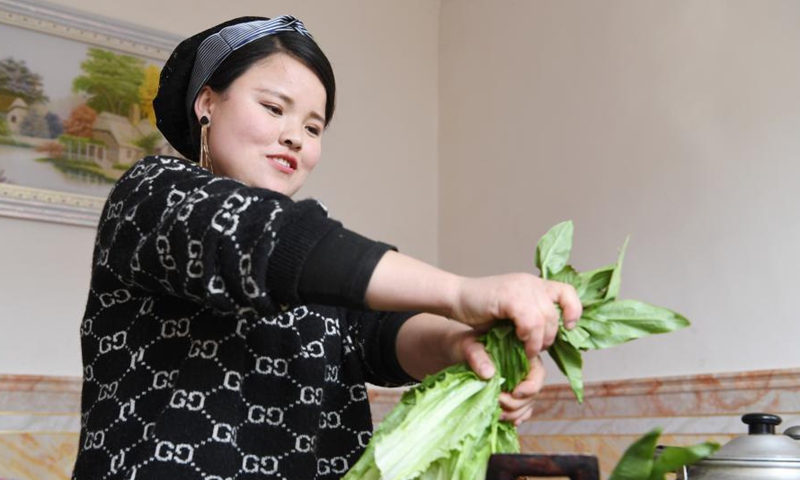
(76, 95)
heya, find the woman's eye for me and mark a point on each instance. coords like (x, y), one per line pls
(273, 109)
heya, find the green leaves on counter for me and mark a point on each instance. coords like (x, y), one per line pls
(606, 321)
(640, 462)
(447, 426)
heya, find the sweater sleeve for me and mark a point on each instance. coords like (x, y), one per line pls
(375, 337)
(172, 228)
(340, 267)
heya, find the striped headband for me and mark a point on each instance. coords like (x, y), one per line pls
(216, 47)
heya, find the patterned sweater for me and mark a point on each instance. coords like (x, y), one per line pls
(223, 336)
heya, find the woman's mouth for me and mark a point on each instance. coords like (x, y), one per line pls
(283, 163)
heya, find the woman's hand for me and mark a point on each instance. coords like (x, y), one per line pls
(518, 405)
(428, 343)
(527, 300)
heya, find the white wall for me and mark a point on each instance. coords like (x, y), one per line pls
(378, 173)
(674, 121)
(44, 284)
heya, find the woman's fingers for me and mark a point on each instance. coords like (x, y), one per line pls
(567, 298)
(518, 405)
(551, 316)
(539, 319)
(478, 359)
(517, 417)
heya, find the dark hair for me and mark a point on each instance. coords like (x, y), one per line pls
(294, 44)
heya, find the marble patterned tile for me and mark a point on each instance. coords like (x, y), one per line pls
(39, 416)
(37, 455)
(39, 426)
(775, 390)
(39, 393)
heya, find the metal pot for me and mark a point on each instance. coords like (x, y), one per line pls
(760, 455)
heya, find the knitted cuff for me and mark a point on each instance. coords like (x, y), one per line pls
(387, 349)
(339, 268)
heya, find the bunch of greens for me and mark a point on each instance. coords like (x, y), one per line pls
(446, 427)
(640, 462)
(606, 321)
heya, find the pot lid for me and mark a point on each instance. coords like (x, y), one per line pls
(761, 444)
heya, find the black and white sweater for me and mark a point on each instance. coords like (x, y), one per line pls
(209, 345)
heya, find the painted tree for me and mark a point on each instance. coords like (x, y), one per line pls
(148, 143)
(54, 124)
(3, 128)
(80, 121)
(17, 80)
(148, 91)
(111, 80)
(34, 125)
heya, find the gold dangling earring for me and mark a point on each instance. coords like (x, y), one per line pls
(205, 155)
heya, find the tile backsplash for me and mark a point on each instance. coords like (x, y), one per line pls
(39, 424)
(40, 419)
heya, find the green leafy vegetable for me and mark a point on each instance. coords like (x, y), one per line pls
(447, 426)
(673, 458)
(637, 461)
(616, 275)
(606, 320)
(594, 285)
(640, 462)
(552, 251)
(612, 323)
(508, 355)
(569, 361)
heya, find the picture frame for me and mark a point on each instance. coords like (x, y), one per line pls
(66, 131)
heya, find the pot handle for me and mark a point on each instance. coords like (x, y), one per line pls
(510, 466)
(682, 473)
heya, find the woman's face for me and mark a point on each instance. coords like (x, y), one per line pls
(266, 127)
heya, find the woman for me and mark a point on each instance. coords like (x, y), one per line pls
(230, 330)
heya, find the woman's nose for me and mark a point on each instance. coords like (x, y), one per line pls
(291, 138)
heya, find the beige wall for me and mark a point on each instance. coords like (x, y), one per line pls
(378, 173)
(674, 121)
(487, 122)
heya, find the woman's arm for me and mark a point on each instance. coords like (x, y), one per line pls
(400, 282)
(428, 343)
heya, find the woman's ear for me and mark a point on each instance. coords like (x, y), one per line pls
(204, 102)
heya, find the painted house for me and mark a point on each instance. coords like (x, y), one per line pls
(13, 110)
(119, 136)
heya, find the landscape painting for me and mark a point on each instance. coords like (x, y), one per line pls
(74, 116)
